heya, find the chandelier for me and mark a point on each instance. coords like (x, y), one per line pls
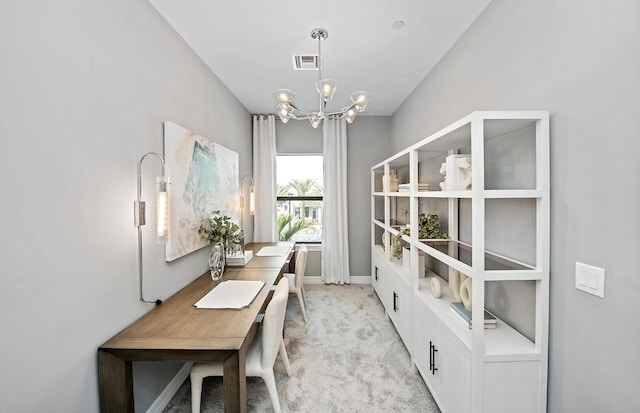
(286, 109)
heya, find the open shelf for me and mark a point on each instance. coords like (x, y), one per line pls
(488, 182)
(501, 341)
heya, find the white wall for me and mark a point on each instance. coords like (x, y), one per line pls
(581, 61)
(84, 89)
(367, 144)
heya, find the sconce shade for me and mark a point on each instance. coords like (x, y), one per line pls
(162, 230)
(252, 200)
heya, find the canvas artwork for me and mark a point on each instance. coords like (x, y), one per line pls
(204, 178)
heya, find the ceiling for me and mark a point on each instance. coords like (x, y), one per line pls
(249, 45)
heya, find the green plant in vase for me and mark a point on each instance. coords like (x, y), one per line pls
(428, 227)
(220, 228)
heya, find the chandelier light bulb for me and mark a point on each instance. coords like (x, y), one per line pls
(315, 120)
(284, 97)
(284, 113)
(326, 87)
(360, 100)
(351, 115)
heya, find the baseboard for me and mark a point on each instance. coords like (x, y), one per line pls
(172, 388)
(316, 279)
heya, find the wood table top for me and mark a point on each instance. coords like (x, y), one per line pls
(177, 325)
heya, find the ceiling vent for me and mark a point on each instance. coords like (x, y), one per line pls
(308, 62)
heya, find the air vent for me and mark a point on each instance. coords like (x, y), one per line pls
(308, 62)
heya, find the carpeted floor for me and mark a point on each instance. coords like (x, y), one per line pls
(348, 358)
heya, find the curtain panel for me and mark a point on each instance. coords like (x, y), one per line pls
(264, 176)
(335, 236)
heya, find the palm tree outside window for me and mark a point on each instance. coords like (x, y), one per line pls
(299, 198)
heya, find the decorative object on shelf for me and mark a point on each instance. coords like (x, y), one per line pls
(465, 294)
(326, 88)
(406, 261)
(162, 214)
(454, 283)
(396, 245)
(217, 261)
(457, 172)
(390, 183)
(428, 227)
(436, 288)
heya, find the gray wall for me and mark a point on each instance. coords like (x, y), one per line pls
(84, 89)
(367, 144)
(581, 61)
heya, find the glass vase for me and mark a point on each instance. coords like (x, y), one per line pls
(216, 261)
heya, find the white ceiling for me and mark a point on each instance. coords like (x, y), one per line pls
(249, 45)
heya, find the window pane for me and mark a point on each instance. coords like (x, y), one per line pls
(300, 220)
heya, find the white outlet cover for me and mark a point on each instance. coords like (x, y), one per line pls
(590, 279)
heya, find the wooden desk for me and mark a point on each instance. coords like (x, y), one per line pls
(268, 261)
(178, 332)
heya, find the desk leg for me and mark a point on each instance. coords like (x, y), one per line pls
(116, 383)
(234, 383)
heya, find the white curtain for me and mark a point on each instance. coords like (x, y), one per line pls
(264, 176)
(335, 236)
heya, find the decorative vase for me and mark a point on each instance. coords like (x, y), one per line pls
(454, 283)
(216, 261)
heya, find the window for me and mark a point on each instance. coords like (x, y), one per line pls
(300, 198)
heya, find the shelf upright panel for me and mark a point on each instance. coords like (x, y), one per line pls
(413, 222)
(543, 242)
(477, 261)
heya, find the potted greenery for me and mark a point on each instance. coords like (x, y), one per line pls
(225, 236)
(220, 228)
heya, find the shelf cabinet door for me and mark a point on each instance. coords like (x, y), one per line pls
(401, 303)
(378, 272)
(443, 360)
(425, 323)
(454, 367)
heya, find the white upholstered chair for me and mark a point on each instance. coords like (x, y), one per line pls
(296, 280)
(261, 355)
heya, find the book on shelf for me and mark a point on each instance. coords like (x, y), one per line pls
(407, 187)
(490, 320)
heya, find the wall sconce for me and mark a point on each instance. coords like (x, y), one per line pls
(252, 200)
(162, 212)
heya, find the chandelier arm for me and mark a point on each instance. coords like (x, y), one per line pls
(343, 111)
(304, 112)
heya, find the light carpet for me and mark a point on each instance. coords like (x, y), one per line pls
(347, 358)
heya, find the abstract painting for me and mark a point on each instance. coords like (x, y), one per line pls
(204, 178)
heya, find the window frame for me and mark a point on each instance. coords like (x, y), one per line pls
(303, 198)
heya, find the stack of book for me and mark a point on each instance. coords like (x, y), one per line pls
(490, 320)
(239, 258)
(407, 187)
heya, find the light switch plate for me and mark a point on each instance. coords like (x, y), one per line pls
(590, 279)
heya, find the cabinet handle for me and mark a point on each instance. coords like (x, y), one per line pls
(376, 273)
(432, 358)
(395, 302)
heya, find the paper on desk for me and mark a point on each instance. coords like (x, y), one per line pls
(273, 251)
(231, 294)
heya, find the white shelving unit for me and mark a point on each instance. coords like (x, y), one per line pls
(498, 233)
